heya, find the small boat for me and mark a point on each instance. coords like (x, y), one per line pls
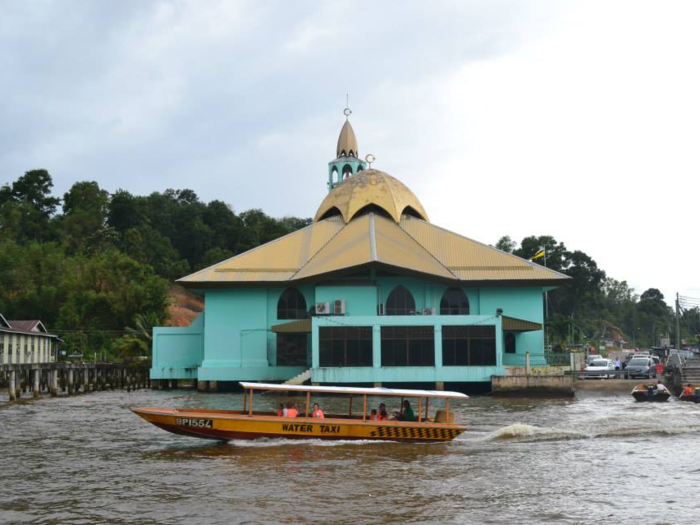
(641, 392)
(225, 425)
(690, 393)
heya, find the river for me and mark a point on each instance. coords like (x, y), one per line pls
(598, 459)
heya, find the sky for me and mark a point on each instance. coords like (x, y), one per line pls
(579, 120)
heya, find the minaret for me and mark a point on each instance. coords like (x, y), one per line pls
(347, 162)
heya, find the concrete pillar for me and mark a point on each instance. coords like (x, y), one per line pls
(71, 384)
(86, 380)
(18, 385)
(11, 387)
(35, 388)
(53, 382)
(213, 386)
(440, 386)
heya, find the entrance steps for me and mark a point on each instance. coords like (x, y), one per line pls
(300, 379)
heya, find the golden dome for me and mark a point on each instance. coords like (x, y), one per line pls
(347, 142)
(370, 189)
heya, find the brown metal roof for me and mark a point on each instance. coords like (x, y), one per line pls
(511, 324)
(347, 141)
(301, 326)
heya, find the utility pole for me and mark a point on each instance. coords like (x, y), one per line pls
(678, 322)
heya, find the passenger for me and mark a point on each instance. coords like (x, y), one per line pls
(650, 392)
(281, 411)
(689, 391)
(660, 387)
(373, 415)
(407, 412)
(383, 414)
(317, 412)
(291, 410)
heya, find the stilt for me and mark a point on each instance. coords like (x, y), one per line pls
(53, 382)
(86, 380)
(37, 375)
(71, 385)
(11, 389)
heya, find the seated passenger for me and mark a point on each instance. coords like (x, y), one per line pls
(373, 415)
(407, 412)
(291, 410)
(383, 415)
(689, 391)
(660, 387)
(317, 412)
(281, 411)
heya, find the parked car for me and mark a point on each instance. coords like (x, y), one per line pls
(593, 357)
(641, 367)
(599, 367)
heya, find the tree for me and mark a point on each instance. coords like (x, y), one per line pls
(27, 206)
(506, 244)
(84, 213)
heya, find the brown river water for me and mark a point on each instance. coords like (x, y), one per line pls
(597, 459)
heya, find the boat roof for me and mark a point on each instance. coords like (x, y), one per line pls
(377, 391)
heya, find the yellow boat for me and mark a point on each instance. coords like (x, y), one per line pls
(227, 425)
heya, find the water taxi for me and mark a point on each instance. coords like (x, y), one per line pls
(226, 425)
(690, 393)
(651, 392)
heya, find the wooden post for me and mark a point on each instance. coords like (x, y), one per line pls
(350, 407)
(71, 386)
(35, 386)
(364, 407)
(245, 400)
(427, 402)
(308, 400)
(53, 382)
(18, 385)
(11, 389)
(86, 380)
(447, 410)
(250, 408)
(420, 409)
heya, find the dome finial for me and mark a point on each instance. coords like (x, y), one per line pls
(347, 111)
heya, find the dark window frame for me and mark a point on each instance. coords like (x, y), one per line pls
(345, 346)
(408, 345)
(454, 302)
(400, 302)
(292, 305)
(510, 343)
(469, 345)
(292, 349)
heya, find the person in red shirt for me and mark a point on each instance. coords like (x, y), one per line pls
(317, 412)
(383, 414)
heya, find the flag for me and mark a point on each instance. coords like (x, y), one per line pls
(539, 254)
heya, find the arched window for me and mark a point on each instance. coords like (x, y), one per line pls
(347, 171)
(510, 343)
(400, 302)
(454, 302)
(291, 305)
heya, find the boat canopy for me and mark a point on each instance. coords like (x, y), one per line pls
(377, 391)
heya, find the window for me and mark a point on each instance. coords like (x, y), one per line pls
(345, 346)
(454, 302)
(468, 346)
(510, 343)
(291, 350)
(400, 302)
(408, 346)
(291, 305)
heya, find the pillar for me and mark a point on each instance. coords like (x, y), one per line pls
(86, 380)
(213, 386)
(11, 388)
(201, 385)
(35, 388)
(53, 382)
(71, 385)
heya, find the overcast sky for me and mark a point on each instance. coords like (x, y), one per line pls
(576, 120)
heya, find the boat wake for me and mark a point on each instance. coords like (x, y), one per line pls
(281, 442)
(528, 433)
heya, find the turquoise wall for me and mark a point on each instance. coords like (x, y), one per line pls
(178, 352)
(236, 341)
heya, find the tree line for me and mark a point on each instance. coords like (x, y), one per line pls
(96, 266)
(593, 306)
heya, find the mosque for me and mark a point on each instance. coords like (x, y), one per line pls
(370, 293)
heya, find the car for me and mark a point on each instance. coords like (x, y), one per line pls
(598, 368)
(593, 357)
(641, 367)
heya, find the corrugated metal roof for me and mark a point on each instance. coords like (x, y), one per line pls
(301, 326)
(512, 324)
(331, 246)
(470, 260)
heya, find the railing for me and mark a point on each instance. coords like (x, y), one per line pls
(537, 359)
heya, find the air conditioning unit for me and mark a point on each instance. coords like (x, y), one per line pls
(428, 311)
(323, 308)
(339, 307)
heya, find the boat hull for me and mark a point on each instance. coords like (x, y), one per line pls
(641, 395)
(231, 425)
